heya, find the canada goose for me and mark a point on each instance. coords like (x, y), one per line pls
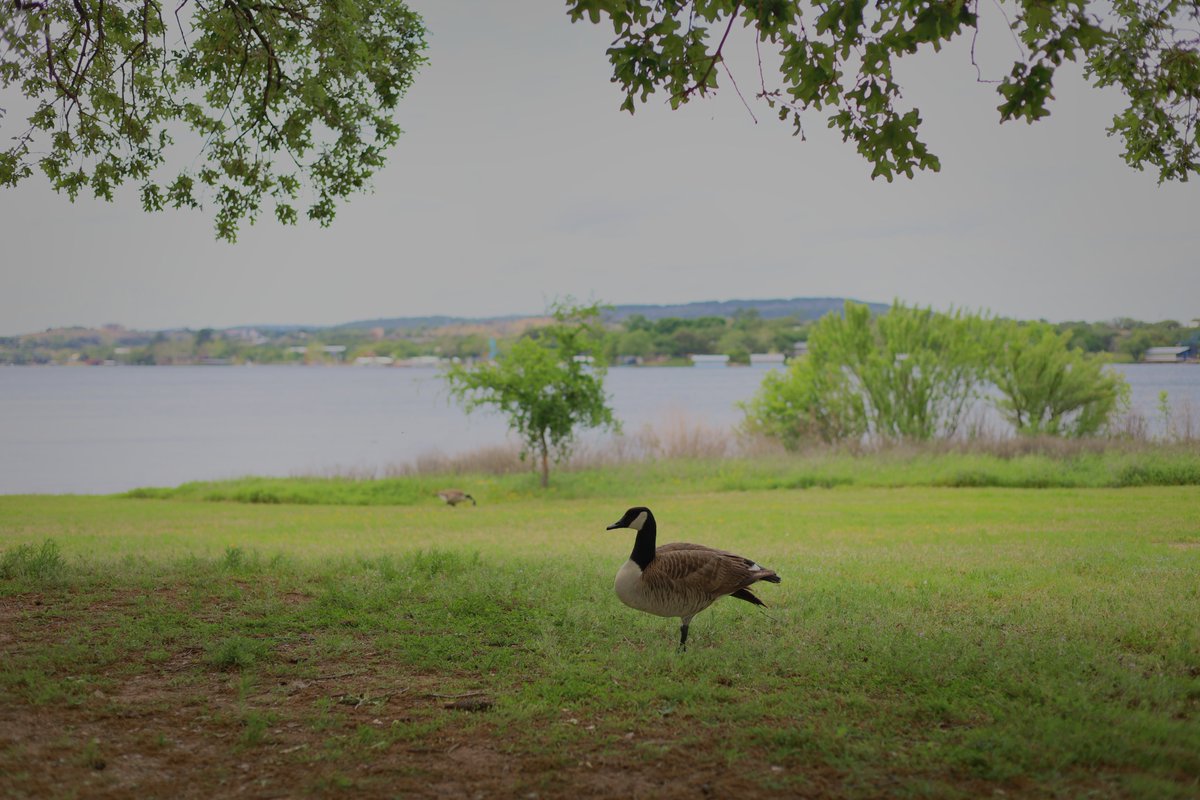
(455, 496)
(678, 579)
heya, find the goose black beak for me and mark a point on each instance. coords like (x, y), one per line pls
(614, 526)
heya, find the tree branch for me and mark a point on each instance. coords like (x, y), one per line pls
(62, 87)
(274, 70)
(717, 55)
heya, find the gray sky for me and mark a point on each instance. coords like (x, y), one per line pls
(518, 181)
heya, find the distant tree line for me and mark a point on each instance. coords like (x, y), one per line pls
(1128, 337)
(237, 346)
(738, 336)
(634, 339)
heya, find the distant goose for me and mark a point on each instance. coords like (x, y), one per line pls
(455, 496)
(681, 580)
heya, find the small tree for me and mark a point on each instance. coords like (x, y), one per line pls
(1049, 387)
(549, 384)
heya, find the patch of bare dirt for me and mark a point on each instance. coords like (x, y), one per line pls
(357, 726)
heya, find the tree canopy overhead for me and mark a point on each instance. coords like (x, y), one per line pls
(839, 56)
(237, 105)
(232, 103)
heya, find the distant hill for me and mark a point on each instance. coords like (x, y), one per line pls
(392, 323)
(804, 308)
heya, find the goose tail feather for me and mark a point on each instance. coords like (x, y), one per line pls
(748, 596)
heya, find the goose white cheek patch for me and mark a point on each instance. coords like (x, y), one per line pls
(638, 521)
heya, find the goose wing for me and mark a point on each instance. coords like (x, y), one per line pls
(703, 570)
(758, 571)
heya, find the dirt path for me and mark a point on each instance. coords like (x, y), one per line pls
(359, 726)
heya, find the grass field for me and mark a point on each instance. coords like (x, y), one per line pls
(925, 642)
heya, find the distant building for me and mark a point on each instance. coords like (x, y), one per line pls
(420, 361)
(373, 361)
(250, 335)
(800, 349)
(766, 359)
(709, 362)
(1167, 355)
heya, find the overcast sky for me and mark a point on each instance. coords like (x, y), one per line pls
(517, 181)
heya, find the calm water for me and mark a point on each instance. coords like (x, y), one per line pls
(90, 430)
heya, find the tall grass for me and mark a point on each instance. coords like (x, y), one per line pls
(681, 437)
(37, 564)
(1017, 464)
(682, 455)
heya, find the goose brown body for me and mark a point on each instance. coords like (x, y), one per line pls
(684, 579)
(455, 496)
(681, 579)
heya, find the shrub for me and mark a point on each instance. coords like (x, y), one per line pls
(1049, 387)
(910, 374)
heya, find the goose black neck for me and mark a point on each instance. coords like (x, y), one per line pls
(643, 545)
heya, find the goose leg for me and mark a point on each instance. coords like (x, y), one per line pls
(683, 632)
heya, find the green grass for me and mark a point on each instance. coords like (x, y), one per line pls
(1112, 468)
(926, 641)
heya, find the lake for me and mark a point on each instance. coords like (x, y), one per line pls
(99, 430)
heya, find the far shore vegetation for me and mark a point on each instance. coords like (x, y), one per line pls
(634, 339)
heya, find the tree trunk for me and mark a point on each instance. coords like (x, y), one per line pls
(545, 464)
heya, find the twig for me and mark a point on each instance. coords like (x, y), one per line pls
(1011, 30)
(758, 52)
(712, 64)
(978, 72)
(749, 111)
(179, 22)
(333, 677)
(454, 696)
